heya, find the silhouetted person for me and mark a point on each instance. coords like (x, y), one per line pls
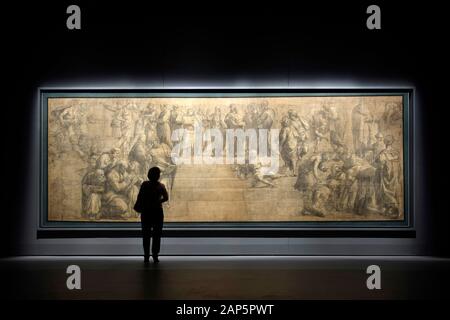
(149, 204)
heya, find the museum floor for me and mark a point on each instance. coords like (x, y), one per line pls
(227, 277)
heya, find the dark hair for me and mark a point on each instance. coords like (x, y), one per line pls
(389, 140)
(154, 174)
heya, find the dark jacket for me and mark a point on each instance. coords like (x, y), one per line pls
(150, 197)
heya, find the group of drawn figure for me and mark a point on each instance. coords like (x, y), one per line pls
(335, 172)
(334, 177)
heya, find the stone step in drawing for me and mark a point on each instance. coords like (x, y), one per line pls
(207, 194)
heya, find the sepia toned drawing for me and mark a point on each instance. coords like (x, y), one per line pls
(330, 158)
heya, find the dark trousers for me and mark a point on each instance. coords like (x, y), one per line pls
(152, 223)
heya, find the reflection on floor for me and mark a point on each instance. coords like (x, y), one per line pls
(219, 277)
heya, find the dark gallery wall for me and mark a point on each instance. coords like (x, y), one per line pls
(320, 46)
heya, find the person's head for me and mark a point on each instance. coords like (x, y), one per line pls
(122, 166)
(325, 156)
(100, 175)
(83, 140)
(133, 166)
(154, 174)
(265, 105)
(342, 152)
(142, 137)
(103, 161)
(391, 106)
(156, 143)
(115, 153)
(324, 159)
(93, 161)
(379, 137)
(294, 115)
(325, 109)
(388, 140)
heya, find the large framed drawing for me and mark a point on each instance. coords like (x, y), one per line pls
(229, 158)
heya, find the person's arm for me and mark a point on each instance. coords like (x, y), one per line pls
(303, 123)
(322, 136)
(282, 136)
(316, 167)
(164, 195)
(162, 161)
(117, 186)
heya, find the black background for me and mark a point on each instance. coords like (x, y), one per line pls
(221, 44)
